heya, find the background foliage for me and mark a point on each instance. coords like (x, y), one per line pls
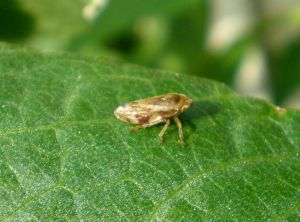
(171, 34)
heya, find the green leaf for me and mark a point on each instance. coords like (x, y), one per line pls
(64, 156)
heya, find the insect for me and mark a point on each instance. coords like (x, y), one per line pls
(151, 111)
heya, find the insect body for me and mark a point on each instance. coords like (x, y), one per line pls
(155, 110)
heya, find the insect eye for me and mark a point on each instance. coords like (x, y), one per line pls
(189, 102)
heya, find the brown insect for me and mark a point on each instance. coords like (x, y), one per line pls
(155, 110)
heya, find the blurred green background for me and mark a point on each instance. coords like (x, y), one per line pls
(253, 46)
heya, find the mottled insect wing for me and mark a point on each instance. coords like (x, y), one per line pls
(133, 114)
(167, 103)
(155, 109)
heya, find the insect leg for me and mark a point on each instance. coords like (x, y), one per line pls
(179, 125)
(162, 132)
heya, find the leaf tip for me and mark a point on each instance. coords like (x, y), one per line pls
(280, 110)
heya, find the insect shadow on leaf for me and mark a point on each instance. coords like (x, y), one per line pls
(199, 109)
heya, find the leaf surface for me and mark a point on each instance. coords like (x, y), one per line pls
(64, 156)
